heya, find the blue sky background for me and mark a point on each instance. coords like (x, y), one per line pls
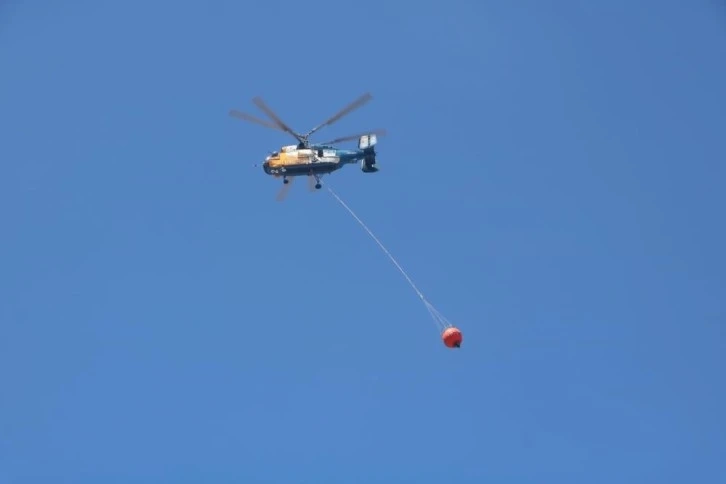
(552, 180)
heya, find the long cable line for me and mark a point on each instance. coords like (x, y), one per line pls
(438, 318)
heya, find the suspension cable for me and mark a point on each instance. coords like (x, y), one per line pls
(438, 318)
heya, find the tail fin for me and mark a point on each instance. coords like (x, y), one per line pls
(367, 141)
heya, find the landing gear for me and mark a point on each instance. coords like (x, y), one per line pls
(285, 180)
(317, 182)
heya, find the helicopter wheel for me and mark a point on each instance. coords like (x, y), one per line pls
(285, 181)
(318, 185)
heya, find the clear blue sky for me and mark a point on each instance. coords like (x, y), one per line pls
(552, 180)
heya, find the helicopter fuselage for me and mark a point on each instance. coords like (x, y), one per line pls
(293, 161)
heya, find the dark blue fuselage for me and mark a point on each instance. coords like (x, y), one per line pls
(327, 161)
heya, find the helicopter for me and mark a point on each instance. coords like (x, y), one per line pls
(314, 160)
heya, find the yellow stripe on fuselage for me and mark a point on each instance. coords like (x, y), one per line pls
(293, 158)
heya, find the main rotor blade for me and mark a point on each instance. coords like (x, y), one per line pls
(282, 194)
(377, 132)
(350, 107)
(253, 119)
(261, 104)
